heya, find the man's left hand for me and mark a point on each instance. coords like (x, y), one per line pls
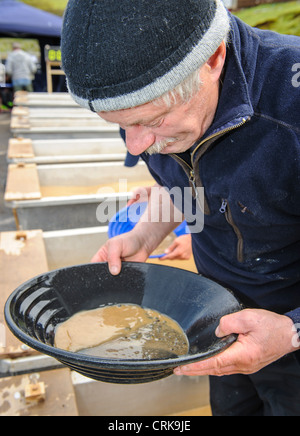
(264, 337)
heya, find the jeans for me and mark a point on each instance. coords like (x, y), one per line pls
(273, 391)
(22, 85)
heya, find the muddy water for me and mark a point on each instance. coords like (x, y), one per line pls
(122, 332)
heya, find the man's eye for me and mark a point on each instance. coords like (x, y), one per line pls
(156, 124)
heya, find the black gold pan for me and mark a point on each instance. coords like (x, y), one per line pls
(35, 308)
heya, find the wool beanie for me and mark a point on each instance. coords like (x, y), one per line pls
(119, 54)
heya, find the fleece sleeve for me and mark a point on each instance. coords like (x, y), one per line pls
(295, 317)
(295, 314)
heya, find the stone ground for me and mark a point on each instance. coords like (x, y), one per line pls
(7, 222)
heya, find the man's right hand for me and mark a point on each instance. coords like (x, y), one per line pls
(137, 245)
(126, 247)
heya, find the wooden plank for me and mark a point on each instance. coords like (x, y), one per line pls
(22, 256)
(21, 98)
(58, 113)
(20, 122)
(20, 148)
(200, 411)
(59, 395)
(22, 183)
(20, 111)
(188, 265)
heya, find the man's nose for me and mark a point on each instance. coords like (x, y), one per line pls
(139, 139)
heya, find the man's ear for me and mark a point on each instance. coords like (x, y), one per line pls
(216, 62)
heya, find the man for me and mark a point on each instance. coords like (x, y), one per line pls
(21, 68)
(209, 102)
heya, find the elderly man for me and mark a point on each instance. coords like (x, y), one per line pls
(209, 102)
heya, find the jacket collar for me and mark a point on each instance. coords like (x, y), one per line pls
(234, 101)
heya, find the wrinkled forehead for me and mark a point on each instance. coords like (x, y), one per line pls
(144, 114)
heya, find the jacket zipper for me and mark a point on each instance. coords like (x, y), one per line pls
(225, 209)
(192, 181)
(191, 173)
(221, 133)
(190, 169)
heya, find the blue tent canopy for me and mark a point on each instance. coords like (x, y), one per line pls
(20, 20)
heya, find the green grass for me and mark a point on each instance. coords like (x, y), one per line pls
(56, 7)
(279, 17)
(29, 45)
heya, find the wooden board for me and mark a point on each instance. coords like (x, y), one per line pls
(59, 395)
(200, 411)
(22, 256)
(20, 148)
(188, 265)
(18, 122)
(22, 183)
(20, 111)
(31, 124)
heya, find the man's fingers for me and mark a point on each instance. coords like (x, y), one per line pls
(100, 256)
(226, 363)
(236, 323)
(114, 258)
(171, 252)
(110, 253)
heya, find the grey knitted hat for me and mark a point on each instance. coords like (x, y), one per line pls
(119, 54)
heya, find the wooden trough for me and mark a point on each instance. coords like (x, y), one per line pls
(53, 113)
(65, 150)
(44, 99)
(59, 135)
(63, 128)
(68, 196)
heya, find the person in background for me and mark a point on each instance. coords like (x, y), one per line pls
(2, 74)
(6, 96)
(21, 68)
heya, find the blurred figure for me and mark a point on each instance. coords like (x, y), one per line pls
(6, 96)
(21, 68)
(181, 248)
(2, 73)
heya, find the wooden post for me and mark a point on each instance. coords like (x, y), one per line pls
(52, 70)
(53, 65)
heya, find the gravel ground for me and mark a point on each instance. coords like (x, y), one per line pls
(7, 222)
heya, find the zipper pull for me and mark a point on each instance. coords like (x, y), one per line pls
(223, 208)
(192, 181)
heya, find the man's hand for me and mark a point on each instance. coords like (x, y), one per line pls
(180, 249)
(121, 248)
(139, 243)
(141, 195)
(264, 337)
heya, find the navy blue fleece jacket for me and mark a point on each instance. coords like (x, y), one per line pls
(249, 165)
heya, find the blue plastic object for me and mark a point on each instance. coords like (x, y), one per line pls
(127, 218)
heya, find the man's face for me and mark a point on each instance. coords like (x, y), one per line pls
(159, 129)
